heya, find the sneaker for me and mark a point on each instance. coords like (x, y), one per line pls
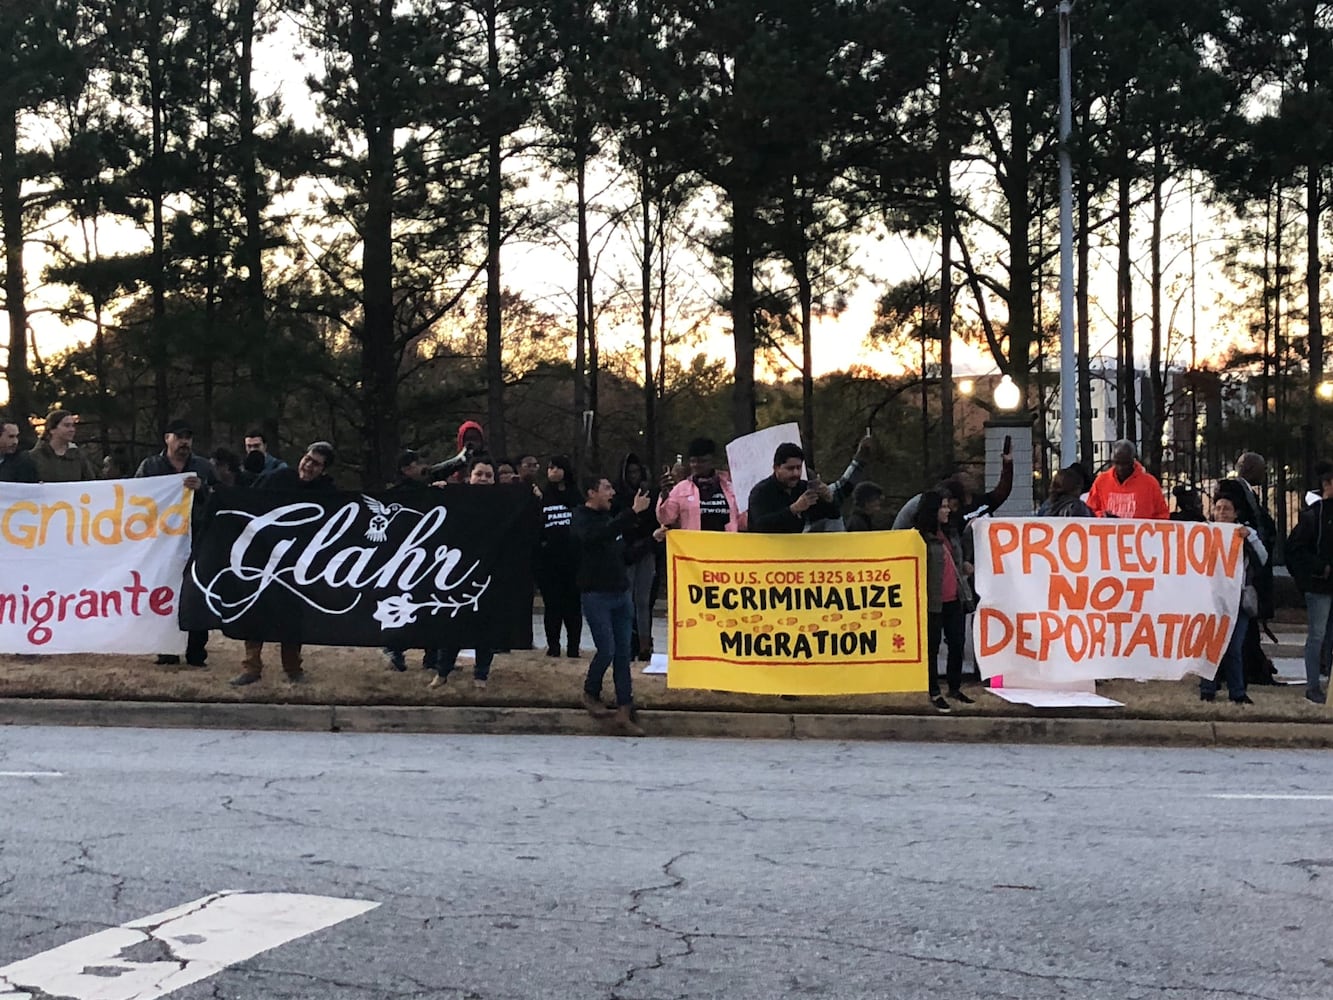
(168, 660)
(479, 683)
(242, 679)
(961, 698)
(1242, 700)
(395, 660)
(552, 650)
(1207, 695)
(1318, 697)
(573, 653)
(438, 681)
(594, 706)
(296, 678)
(940, 704)
(198, 662)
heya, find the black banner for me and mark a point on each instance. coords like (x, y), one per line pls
(407, 569)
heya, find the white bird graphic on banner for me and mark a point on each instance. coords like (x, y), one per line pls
(380, 516)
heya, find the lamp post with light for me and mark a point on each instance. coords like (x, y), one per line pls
(1010, 419)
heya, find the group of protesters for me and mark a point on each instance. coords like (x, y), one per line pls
(599, 558)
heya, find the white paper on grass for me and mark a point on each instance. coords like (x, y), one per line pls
(1054, 699)
(750, 458)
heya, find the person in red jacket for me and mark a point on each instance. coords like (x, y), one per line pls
(1126, 490)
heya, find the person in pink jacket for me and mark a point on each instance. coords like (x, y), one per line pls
(703, 500)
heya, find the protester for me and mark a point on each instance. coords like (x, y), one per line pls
(1063, 500)
(1310, 561)
(410, 479)
(949, 598)
(1126, 489)
(116, 465)
(528, 467)
(640, 551)
(57, 457)
(178, 458)
(15, 466)
(1189, 504)
(842, 487)
(482, 473)
(784, 503)
(970, 505)
(1227, 503)
(257, 443)
(252, 468)
(604, 589)
(557, 559)
(505, 473)
(703, 501)
(226, 466)
(1252, 475)
(867, 506)
(310, 475)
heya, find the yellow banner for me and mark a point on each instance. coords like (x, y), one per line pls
(823, 613)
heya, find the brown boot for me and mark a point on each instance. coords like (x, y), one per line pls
(252, 665)
(291, 661)
(624, 725)
(594, 706)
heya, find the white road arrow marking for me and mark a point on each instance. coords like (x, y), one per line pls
(156, 955)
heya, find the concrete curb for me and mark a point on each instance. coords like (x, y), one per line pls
(703, 725)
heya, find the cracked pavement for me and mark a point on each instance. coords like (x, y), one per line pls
(557, 867)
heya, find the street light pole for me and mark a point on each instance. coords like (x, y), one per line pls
(1068, 370)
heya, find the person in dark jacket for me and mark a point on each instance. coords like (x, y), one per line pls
(178, 458)
(640, 551)
(558, 559)
(482, 473)
(1310, 560)
(784, 503)
(867, 506)
(411, 479)
(1189, 504)
(1063, 500)
(605, 596)
(971, 504)
(15, 466)
(949, 597)
(310, 475)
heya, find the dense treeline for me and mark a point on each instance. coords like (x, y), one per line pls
(340, 272)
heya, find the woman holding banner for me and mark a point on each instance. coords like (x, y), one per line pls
(1226, 510)
(949, 597)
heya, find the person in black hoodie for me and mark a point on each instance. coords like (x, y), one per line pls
(605, 597)
(558, 559)
(411, 480)
(640, 551)
(311, 474)
(784, 503)
(1310, 561)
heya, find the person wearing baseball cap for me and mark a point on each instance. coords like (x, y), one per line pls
(178, 458)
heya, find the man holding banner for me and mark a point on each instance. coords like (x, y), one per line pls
(177, 457)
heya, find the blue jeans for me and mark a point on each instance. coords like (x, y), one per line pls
(447, 659)
(1317, 607)
(1233, 662)
(610, 618)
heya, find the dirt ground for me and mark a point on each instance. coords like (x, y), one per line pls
(347, 676)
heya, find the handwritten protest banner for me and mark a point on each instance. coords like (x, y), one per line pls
(93, 567)
(797, 614)
(1087, 598)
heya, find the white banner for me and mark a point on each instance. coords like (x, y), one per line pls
(1066, 599)
(93, 567)
(750, 458)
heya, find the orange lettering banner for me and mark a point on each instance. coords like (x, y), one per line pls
(1076, 599)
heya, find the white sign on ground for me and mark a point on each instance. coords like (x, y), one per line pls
(1054, 699)
(159, 954)
(750, 458)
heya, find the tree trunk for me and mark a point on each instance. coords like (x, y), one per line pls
(157, 197)
(21, 402)
(1126, 410)
(1019, 239)
(946, 311)
(649, 455)
(495, 386)
(379, 373)
(1315, 77)
(1152, 449)
(250, 251)
(743, 399)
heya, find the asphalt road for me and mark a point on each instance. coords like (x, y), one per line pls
(525, 867)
